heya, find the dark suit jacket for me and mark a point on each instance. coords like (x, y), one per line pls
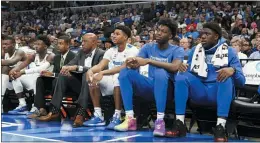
(81, 56)
(56, 62)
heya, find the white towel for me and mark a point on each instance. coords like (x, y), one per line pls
(219, 59)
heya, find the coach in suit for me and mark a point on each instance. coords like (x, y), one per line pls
(87, 57)
(48, 79)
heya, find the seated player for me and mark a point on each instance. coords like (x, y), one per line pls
(11, 57)
(164, 60)
(107, 80)
(48, 79)
(26, 78)
(209, 78)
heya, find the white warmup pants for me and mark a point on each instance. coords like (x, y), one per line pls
(108, 83)
(27, 81)
(5, 84)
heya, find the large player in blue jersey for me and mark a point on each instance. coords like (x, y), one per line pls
(209, 78)
(164, 60)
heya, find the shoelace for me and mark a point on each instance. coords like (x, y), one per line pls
(158, 126)
(19, 107)
(113, 120)
(37, 112)
(33, 109)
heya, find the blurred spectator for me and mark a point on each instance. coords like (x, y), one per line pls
(256, 54)
(237, 43)
(75, 44)
(175, 41)
(184, 42)
(108, 43)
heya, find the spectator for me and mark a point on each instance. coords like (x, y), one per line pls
(256, 54)
(237, 43)
(184, 42)
(194, 34)
(108, 44)
(175, 41)
(75, 45)
(247, 47)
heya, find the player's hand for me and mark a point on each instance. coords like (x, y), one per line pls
(46, 73)
(89, 76)
(96, 79)
(183, 67)
(225, 73)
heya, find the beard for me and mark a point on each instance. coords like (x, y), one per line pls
(207, 46)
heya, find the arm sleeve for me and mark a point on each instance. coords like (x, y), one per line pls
(178, 54)
(108, 54)
(238, 76)
(44, 66)
(144, 51)
(75, 60)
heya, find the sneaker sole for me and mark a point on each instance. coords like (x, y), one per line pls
(95, 125)
(124, 130)
(158, 134)
(110, 128)
(12, 113)
(22, 113)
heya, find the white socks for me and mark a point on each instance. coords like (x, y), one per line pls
(180, 117)
(130, 113)
(222, 121)
(98, 113)
(22, 102)
(117, 113)
(160, 115)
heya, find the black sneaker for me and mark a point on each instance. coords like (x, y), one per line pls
(220, 134)
(178, 130)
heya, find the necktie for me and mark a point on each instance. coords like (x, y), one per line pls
(61, 61)
(89, 55)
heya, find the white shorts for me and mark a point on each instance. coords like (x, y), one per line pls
(27, 81)
(108, 83)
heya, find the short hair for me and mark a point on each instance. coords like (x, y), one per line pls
(214, 27)
(248, 40)
(176, 39)
(65, 38)
(45, 39)
(8, 38)
(170, 24)
(125, 29)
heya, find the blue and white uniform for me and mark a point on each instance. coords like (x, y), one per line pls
(116, 59)
(156, 84)
(28, 80)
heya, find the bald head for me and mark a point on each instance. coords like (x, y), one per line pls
(89, 42)
(91, 36)
(184, 42)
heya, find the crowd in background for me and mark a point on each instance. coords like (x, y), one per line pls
(239, 22)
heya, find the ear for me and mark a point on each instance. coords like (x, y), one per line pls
(126, 37)
(216, 37)
(170, 37)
